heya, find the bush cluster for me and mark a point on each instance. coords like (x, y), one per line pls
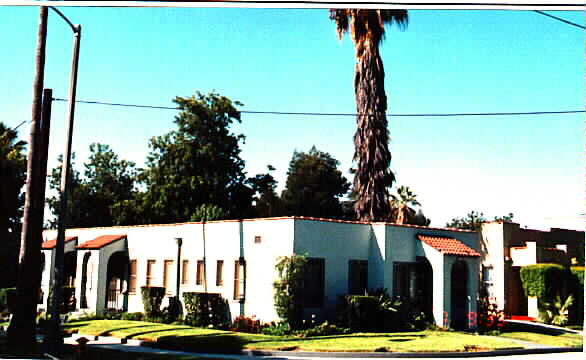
(380, 312)
(553, 285)
(246, 324)
(204, 309)
(543, 280)
(152, 298)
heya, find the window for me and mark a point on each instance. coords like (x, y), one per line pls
(185, 272)
(220, 273)
(199, 277)
(404, 280)
(239, 275)
(357, 277)
(150, 276)
(313, 282)
(487, 280)
(167, 275)
(132, 277)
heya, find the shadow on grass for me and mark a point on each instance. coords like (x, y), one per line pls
(203, 343)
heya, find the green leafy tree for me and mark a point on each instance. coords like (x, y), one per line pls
(267, 202)
(474, 219)
(104, 196)
(373, 175)
(79, 203)
(12, 179)
(314, 185)
(199, 163)
(207, 212)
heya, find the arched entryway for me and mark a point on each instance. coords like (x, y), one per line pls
(117, 280)
(69, 267)
(84, 278)
(459, 298)
(424, 286)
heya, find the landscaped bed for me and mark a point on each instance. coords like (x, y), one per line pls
(187, 338)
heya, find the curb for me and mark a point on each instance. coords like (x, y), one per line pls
(413, 354)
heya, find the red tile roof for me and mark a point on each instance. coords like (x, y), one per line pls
(100, 241)
(50, 244)
(448, 246)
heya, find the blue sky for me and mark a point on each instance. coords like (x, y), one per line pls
(292, 60)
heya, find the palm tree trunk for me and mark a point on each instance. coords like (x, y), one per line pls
(22, 326)
(373, 176)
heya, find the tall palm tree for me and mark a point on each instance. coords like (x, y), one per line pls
(373, 175)
(401, 205)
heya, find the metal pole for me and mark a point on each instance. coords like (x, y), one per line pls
(179, 242)
(55, 337)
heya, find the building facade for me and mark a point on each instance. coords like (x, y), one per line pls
(506, 247)
(438, 268)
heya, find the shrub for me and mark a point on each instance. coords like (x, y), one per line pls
(556, 312)
(543, 280)
(576, 314)
(325, 329)
(281, 328)
(490, 318)
(204, 309)
(133, 316)
(288, 289)
(113, 314)
(173, 311)
(7, 299)
(152, 297)
(360, 313)
(246, 324)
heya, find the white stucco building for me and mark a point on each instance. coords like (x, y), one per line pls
(439, 268)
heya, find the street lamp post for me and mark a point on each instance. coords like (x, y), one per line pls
(54, 339)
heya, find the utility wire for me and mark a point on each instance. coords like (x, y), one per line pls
(338, 114)
(21, 123)
(559, 19)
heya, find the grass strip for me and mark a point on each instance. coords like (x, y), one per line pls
(569, 340)
(185, 338)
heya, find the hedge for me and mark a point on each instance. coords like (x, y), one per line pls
(204, 309)
(543, 280)
(152, 297)
(578, 273)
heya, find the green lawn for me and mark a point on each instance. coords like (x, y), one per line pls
(554, 340)
(216, 341)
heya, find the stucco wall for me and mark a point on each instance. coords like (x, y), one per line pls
(337, 243)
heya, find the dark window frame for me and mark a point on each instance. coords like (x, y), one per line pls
(357, 282)
(314, 282)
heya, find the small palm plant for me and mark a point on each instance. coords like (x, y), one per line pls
(556, 312)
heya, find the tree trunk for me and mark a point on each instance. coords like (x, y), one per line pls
(373, 175)
(22, 326)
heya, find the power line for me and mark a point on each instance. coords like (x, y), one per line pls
(339, 114)
(559, 19)
(21, 123)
